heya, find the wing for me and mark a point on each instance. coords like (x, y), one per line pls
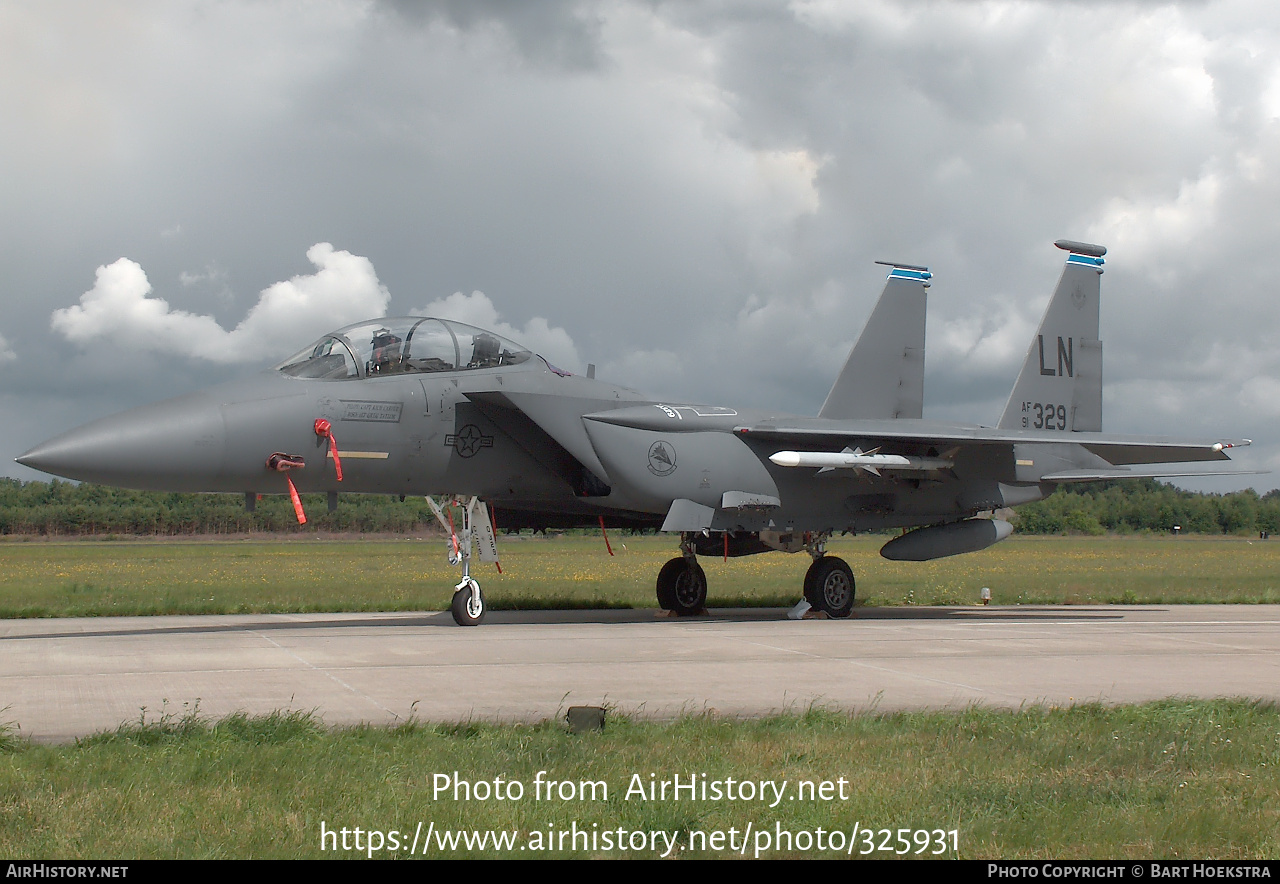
(1021, 455)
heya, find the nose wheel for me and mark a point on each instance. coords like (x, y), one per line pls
(468, 606)
(829, 586)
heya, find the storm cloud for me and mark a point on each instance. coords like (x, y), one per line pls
(689, 195)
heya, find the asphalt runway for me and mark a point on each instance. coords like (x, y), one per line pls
(60, 679)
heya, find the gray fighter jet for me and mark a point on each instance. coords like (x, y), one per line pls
(432, 407)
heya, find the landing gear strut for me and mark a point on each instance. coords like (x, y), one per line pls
(682, 584)
(468, 607)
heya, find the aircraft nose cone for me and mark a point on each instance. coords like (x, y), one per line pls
(175, 445)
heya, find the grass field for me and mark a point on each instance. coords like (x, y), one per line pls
(1171, 779)
(1164, 780)
(95, 578)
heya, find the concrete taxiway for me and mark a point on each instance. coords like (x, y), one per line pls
(65, 678)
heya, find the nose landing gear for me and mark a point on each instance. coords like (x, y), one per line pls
(468, 607)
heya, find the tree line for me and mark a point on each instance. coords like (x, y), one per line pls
(60, 508)
(63, 508)
(1147, 505)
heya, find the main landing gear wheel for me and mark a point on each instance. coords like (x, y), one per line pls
(682, 587)
(468, 606)
(829, 586)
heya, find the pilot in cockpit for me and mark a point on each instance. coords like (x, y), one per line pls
(386, 353)
(487, 352)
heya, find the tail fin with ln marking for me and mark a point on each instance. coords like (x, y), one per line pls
(1060, 385)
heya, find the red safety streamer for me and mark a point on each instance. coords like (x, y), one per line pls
(493, 523)
(282, 463)
(297, 501)
(325, 430)
(606, 536)
(453, 532)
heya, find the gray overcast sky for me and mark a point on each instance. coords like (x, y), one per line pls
(689, 195)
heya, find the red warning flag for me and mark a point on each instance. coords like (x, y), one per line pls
(297, 501)
(282, 463)
(325, 430)
(605, 534)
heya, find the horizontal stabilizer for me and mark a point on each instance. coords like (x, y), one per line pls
(1138, 451)
(1066, 476)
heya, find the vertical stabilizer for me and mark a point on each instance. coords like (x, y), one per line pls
(884, 374)
(1060, 386)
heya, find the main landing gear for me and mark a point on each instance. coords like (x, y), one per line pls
(829, 586)
(682, 587)
(682, 584)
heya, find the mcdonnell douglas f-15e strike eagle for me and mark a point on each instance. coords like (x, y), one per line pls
(435, 407)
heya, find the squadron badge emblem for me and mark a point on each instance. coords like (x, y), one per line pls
(662, 459)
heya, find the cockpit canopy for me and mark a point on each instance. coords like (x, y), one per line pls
(404, 344)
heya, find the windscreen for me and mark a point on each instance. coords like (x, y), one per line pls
(329, 357)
